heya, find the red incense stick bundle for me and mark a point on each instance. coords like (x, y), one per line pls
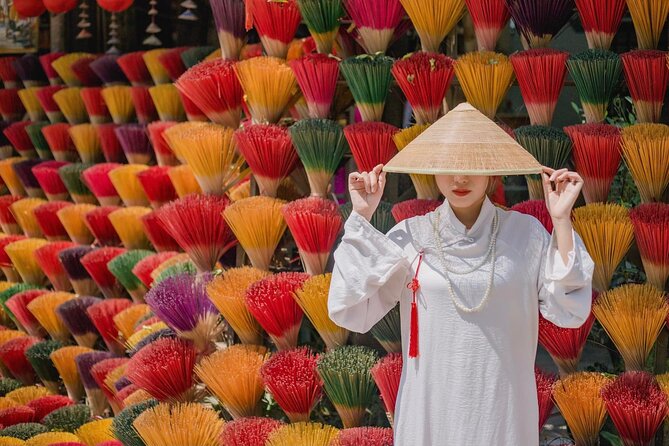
(58, 138)
(18, 137)
(541, 74)
(95, 262)
(5, 262)
(651, 231)
(270, 154)
(13, 356)
(109, 143)
(97, 180)
(597, 157)
(101, 371)
(490, 18)
(601, 20)
(375, 22)
(172, 62)
(413, 208)
(7, 222)
(45, 60)
(249, 431)
(159, 237)
(317, 76)
(134, 68)
(276, 24)
(368, 436)
(82, 70)
(11, 107)
(161, 148)
(102, 315)
(647, 76)
(48, 221)
(47, 258)
(7, 72)
(371, 143)
(157, 185)
(144, 106)
(97, 110)
(214, 87)
(18, 305)
(45, 98)
(545, 382)
(424, 79)
(101, 227)
(386, 374)
(143, 269)
(49, 180)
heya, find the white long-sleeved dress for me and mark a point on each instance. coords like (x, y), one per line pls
(473, 382)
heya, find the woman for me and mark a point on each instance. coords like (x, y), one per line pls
(481, 276)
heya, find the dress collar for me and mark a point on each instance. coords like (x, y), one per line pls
(450, 221)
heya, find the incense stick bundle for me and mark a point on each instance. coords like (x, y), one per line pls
(552, 147)
(596, 74)
(7, 220)
(211, 153)
(368, 78)
(213, 86)
(157, 186)
(71, 176)
(95, 263)
(143, 269)
(172, 62)
(168, 102)
(13, 355)
(649, 18)
(434, 20)
(276, 24)
(122, 424)
(601, 20)
(644, 149)
(87, 142)
(7, 72)
(633, 316)
(46, 61)
(119, 102)
(60, 143)
(315, 434)
(72, 219)
(184, 180)
(270, 154)
(135, 143)
(182, 128)
(101, 227)
(134, 68)
(270, 301)
(97, 179)
(348, 381)
(23, 170)
(74, 315)
(541, 74)
(47, 258)
(174, 425)
(38, 356)
(608, 233)
(96, 108)
(44, 309)
(489, 18)
(647, 76)
(11, 107)
(636, 405)
(375, 23)
(20, 253)
(46, 99)
(259, 241)
(18, 308)
(124, 179)
(127, 320)
(249, 431)
(18, 137)
(161, 148)
(6, 265)
(109, 143)
(269, 85)
(30, 102)
(29, 70)
(544, 382)
(425, 185)
(108, 70)
(596, 157)
(652, 238)
(229, 17)
(161, 240)
(424, 79)
(413, 208)
(371, 143)
(158, 73)
(233, 375)
(127, 223)
(485, 78)
(102, 315)
(48, 221)
(84, 363)
(23, 213)
(10, 178)
(95, 432)
(63, 66)
(317, 76)
(71, 105)
(145, 109)
(315, 224)
(539, 22)
(34, 132)
(81, 280)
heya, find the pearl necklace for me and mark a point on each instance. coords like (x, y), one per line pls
(489, 254)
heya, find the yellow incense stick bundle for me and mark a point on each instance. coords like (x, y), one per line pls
(127, 223)
(74, 222)
(87, 142)
(22, 210)
(70, 103)
(124, 179)
(21, 255)
(433, 19)
(184, 181)
(425, 185)
(179, 425)
(44, 310)
(119, 102)
(645, 149)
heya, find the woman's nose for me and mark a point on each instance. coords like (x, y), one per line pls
(460, 179)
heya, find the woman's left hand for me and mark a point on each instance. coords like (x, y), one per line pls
(568, 186)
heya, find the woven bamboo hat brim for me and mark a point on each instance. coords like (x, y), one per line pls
(464, 142)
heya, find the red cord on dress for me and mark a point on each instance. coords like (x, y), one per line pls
(414, 285)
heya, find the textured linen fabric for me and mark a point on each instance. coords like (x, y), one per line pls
(473, 382)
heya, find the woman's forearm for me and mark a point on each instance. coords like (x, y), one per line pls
(563, 233)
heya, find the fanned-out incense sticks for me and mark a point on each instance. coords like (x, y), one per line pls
(368, 78)
(540, 21)
(134, 68)
(413, 208)
(229, 20)
(60, 143)
(31, 104)
(10, 178)
(109, 143)
(317, 75)
(135, 143)
(644, 149)
(11, 107)
(544, 384)
(161, 148)
(23, 213)
(18, 307)
(168, 102)
(119, 102)
(434, 20)
(276, 24)
(601, 20)
(161, 240)
(45, 96)
(651, 231)
(375, 23)
(24, 173)
(101, 227)
(489, 18)
(180, 424)
(102, 315)
(128, 226)
(371, 143)
(39, 142)
(485, 77)
(13, 356)
(71, 176)
(95, 262)
(315, 434)
(649, 17)
(97, 180)
(424, 79)
(71, 105)
(81, 280)
(108, 70)
(145, 109)
(596, 74)
(541, 74)
(47, 258)
(647, 76)
(124, 179)
(8, 73)
(157, 186)
(46, 60)
(74, 315)
(386, 374)
(87, 142)
(172, 62)
(158, 73)
(269, 85)
(374, 436)
(596, 158)
(96, 108)
(249, 431)
(72, 218)
(18, 137)
(44, 309)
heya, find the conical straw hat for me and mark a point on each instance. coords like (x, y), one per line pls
(464, 142)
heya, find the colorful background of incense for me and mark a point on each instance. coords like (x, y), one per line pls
(160, 209)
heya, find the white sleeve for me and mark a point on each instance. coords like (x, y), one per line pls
(565, 291)
(370, 274)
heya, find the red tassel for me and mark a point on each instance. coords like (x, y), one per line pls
(413, 339)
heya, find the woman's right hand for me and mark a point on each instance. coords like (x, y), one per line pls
(366, 190)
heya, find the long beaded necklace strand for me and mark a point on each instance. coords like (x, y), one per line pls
(490, 253)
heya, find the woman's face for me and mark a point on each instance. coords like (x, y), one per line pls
(463, 191)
